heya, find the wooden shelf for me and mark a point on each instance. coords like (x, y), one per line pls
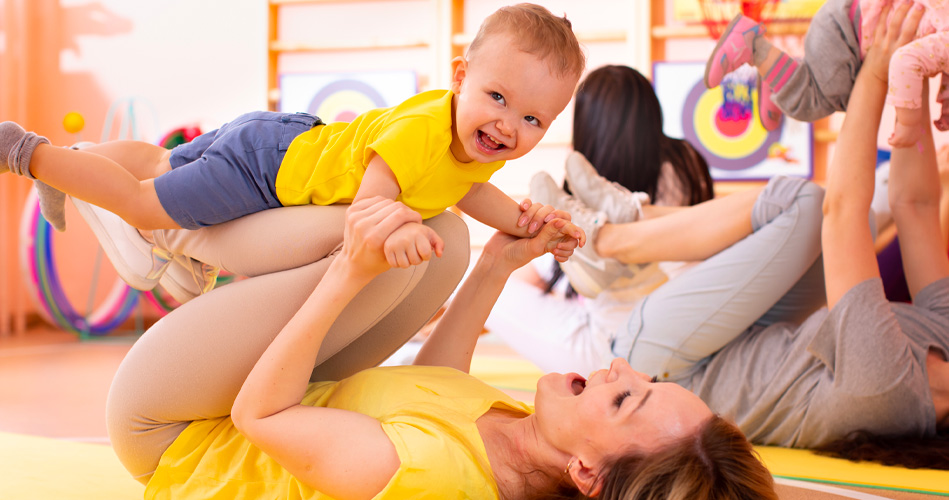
(283, 46)
(439, 44)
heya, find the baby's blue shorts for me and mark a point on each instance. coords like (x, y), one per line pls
(229, 172)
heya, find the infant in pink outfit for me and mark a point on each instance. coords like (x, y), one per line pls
(924, 57)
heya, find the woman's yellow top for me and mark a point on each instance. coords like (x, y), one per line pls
(428, 412)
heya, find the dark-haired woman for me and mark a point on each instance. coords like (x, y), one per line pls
(617, 134)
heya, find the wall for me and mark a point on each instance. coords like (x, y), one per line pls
(202, 63)
(186, 62)
(183, 62)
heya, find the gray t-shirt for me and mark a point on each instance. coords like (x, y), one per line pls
(861, 366)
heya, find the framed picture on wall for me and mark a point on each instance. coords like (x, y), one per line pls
(722, 123)
(336, 97)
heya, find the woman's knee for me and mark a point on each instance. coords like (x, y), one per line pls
(454, 232)
(781, 193)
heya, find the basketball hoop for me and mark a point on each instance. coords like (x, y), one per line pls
(716, 14)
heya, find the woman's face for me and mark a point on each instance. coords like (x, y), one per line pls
(614, 411)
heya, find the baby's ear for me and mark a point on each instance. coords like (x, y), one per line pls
(459, 69)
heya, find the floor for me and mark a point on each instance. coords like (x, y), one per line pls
(56, 386)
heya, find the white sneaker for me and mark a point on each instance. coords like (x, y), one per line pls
(186, 278)
(588, 272)
(620, 205)
(613, 199)
(138, 262)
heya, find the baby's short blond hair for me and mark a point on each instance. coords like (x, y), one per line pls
(538, 32)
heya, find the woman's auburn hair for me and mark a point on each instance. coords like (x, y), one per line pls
(715, 463)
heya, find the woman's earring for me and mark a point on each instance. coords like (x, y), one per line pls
(569, 465)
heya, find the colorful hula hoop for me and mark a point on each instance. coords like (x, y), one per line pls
(39, 268)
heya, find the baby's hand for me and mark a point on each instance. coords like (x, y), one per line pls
(536, 215)
(905, 136)
(568, 238)
(411, 244)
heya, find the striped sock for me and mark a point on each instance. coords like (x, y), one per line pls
(780, 72)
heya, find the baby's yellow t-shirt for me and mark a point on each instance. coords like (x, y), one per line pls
(429, 413)
(325, 165)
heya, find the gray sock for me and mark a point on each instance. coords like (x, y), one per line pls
(52, 204)
(10, 135)
(16, 148)
(759, 49)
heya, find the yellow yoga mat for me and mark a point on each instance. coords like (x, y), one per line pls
(35, 468)
(804, 464)
(522, 375)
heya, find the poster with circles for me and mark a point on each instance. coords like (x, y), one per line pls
(340, 97)
(723, 125)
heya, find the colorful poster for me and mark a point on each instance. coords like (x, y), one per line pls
(343, 96)
(723, 125)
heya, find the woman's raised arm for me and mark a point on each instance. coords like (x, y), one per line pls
(915, 190)
(846, 240)
(341, 453)
(453, 340)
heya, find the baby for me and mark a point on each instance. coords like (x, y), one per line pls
(435, 150)
(836, 43)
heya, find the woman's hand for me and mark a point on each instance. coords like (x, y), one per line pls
(369, 223)
(892, 32)
(511, 252)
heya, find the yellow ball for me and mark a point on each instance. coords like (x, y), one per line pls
(73, 122)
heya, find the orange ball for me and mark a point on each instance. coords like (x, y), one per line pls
(73, 122)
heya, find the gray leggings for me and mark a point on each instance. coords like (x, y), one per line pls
(191, 364)
(823, 81)
(774, 274)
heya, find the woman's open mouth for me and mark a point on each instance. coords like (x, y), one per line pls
(577, 384)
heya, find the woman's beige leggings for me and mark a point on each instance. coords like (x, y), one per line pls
(191, 364)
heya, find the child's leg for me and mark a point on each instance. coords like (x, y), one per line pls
(821, 83)
(192, 364)
(697, 313)
(142, 159)
(16, 150)
(66, 170)
(103, 182)
(739, 44)
(910, 65)
(908, 127)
